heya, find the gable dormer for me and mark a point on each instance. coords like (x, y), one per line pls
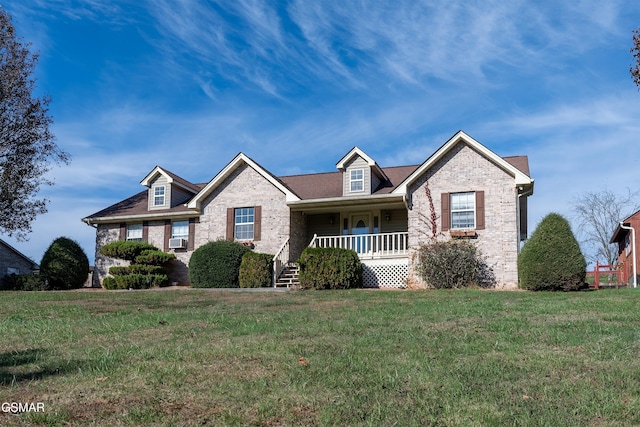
(166, 189)
(361, 175)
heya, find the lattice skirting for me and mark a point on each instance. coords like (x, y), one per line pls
(385, 273)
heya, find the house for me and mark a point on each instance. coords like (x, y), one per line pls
(383, 213)
(624, 237)
(13, 261)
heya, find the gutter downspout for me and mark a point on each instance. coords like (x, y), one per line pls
(633, 238)
(527, 194)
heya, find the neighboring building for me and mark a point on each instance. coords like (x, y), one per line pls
(14, 262)
(381, 212)
(623, 238)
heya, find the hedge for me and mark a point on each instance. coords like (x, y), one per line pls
(217, 264)
(330, 268)
(256, 270)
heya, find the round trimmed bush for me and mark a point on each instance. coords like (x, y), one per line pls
(551, 259)
(256, 270)
(64, 265)
(216, 264)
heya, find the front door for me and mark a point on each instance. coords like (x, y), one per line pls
(360, 224)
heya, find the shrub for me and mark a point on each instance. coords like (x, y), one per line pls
(148, 270)
(256, 270)
(216, 264)
(126, 250)
(330, 268)
(154, 257)
(23, 282)
(135, 281)
(454, 264)
(551, 259)
(136, 269)
(64, 265)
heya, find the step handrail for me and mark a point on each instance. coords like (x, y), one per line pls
(280, 260)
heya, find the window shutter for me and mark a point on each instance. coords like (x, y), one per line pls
(445, 214)
(479, 210)
(230, 223)
(145, 231)
(192, 234)
(167, 234)
(257, 222)
(123, 231)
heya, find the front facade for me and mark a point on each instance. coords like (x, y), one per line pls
(463, 190)
(623, 237)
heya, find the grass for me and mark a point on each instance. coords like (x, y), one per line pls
(378, 358)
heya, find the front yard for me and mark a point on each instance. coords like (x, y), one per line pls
(201, 357)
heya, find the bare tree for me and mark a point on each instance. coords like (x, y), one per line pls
(597, 215)
(27, 145)
(635, 50)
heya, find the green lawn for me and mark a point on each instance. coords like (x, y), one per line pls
(379, 358)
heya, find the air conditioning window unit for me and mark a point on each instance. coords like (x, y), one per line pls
(177, 243)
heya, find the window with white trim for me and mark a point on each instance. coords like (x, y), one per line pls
(180, 230)
(134, 232)
(158, 195)
(243, 225)
(463, 210)
(356, 180)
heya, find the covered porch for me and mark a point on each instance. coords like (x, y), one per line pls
(376, 229)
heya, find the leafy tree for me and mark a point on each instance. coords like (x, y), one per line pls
(27, 146)
(551, 259)
(64, 264)
(598, 215)
(635, 50)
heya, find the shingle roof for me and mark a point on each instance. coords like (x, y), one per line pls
(307, 187)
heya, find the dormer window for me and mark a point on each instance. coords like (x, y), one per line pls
(357, 180)
(158, 195)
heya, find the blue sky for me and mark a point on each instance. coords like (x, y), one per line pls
(295, 85)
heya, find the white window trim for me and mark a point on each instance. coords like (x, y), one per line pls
(156, 196)
(134, 232)
(183, 224)
(236, 223)
(454, 211)
(356, 180)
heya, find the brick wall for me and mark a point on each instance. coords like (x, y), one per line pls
(464, 169)
(245, 188)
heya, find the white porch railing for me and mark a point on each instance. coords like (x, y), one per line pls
(368, 246)
(280, 260)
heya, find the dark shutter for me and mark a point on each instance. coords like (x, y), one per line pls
(479, 210)
(192, 234)
(257, 222)
(145, 231)
(123, 231)
(445, 213)
(167, 234)
(230, 223)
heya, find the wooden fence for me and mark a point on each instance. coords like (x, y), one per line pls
(609, 271)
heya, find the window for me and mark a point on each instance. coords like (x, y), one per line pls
(243, 223)
(463, 210)
(357, 180)
(158, 195)
(134, 232)
(180, 230)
